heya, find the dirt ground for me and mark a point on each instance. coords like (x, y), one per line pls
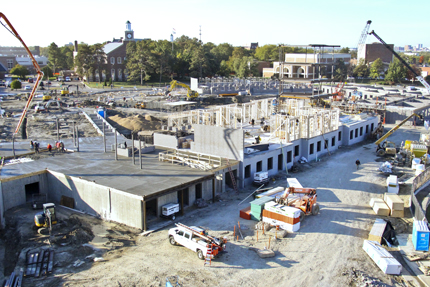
(327, 250)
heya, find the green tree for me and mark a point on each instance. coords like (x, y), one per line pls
(411, 76)
(56, 59)
(99, 58)
(47, 72)
(84, 60)
(267, 53)
(20, 71)
(353, 54)
(15, 85)
(340, 72)
(66, 57)
(140, 61)
(396, 72)
(361, 70)
(163, 58)
(376, 69)
(344, 50)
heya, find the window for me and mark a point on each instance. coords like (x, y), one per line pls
(361, 131)
(333, 141)
(371, 127)
(187, 236)
(118, 60)
(248, 171)
(318, 146)
(9, 64)
(339, 137)
(325, 144)
(259, 166)
(270, 163)
(180, 232)
(289, 157)
(112, 74)
(356, 132)
(351, 135)
(367, 129)
(112, 60)
(296, 151)
(311, 149)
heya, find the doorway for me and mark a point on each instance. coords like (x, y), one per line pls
(199, 191)
(30, 189)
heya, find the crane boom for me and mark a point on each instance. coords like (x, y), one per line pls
(390, 132)
(419, 77)
(35, 64)
(362, 41)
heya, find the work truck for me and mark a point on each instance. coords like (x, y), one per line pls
(196, 239)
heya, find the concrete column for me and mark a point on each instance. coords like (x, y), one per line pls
(74, 135)
(116, 145)
(132, 146)
(77, 139)
(58, 130)
(144, 214)
(213, 190)
(140, 153)
(104, 137)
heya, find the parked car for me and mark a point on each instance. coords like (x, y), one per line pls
(30, 80)
(27, 88)
(68, 79)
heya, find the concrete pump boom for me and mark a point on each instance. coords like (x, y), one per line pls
(35, 64)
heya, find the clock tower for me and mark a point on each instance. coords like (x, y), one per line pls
(129, 33)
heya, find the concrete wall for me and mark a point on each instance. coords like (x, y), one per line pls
(358, 131)
(218, 141)
(165, 199)
(253, 159)
(13, 189)
(332, 137)
(99, 200)
(169, 141)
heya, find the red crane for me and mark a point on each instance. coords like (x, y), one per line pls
(12, 30)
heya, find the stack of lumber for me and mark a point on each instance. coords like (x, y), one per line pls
(257, 206)
(274, 192)
(385, 261)
(377, 230)
(286, 217)
(396, 205)
(379, 206)
(391, 205)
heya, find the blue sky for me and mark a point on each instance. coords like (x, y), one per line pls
(235, 22)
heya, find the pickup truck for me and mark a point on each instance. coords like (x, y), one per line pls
(189, 237)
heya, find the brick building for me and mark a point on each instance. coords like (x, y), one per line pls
(114, 64)
(377, 50)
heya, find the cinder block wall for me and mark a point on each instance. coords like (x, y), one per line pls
(13, 189)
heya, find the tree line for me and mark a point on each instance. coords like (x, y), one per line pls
(150, 60)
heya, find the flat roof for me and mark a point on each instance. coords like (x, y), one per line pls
(154, 179)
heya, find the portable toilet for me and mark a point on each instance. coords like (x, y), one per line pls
(102, 112)
(420, 235)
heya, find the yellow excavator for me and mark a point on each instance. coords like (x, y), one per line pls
(190, 93)
(389, 148)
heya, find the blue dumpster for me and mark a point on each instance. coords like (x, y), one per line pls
(420, 236)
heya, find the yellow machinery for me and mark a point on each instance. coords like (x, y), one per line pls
(139, 106)
(47, 217)
(65, 91)
(190, 93)
(390, 147)
(46, 98)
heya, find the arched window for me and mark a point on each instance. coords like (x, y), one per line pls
(118, 60)
(112, 60)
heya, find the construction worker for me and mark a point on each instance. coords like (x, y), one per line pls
(357, 162)
(49, 147)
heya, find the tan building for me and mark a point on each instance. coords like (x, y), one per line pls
(306, 65)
